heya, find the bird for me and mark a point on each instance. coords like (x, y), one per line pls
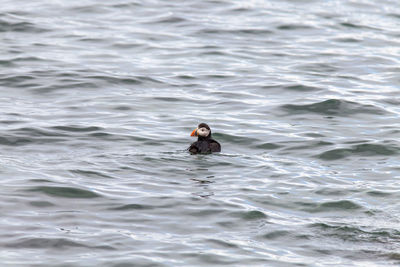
(204, 144)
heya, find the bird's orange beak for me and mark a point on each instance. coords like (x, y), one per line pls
(194, 133)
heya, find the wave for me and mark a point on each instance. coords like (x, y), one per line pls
(365, 150)
(51, 243)
(334, 107)
(21, 26)
(65, 192)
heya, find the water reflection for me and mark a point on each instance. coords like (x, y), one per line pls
(204, 186)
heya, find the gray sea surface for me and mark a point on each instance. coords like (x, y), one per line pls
(98, 100)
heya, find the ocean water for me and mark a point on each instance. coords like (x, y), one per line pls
(98, 100)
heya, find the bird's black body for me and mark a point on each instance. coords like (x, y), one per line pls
(204, 144)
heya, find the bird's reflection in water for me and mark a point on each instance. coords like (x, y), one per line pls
(204, 185)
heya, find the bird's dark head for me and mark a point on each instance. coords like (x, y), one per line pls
(203, 130)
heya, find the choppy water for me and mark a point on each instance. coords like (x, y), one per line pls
(98, 99)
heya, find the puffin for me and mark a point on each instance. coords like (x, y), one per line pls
(204, 144)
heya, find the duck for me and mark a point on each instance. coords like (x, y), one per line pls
(205, 144)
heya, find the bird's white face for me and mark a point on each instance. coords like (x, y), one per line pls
(204, 132)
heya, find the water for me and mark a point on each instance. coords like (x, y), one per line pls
(98, 99)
